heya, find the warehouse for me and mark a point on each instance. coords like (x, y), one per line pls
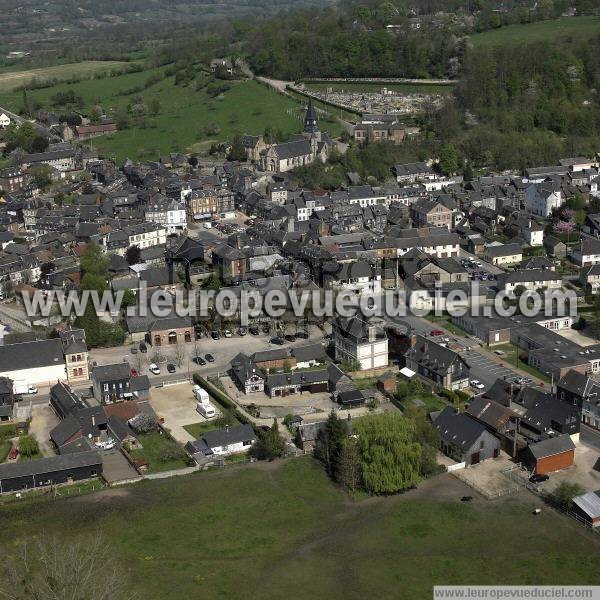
(36, 363)
(67, 468)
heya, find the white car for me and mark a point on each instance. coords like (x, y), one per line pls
(475, 383)
(106, 445)
(32, 390)
(154, 369)
(227, 333)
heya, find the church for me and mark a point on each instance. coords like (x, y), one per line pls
(301, 149)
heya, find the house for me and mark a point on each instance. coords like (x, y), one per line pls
(362, 342)
(171, 331)
(297, 382)
(499, 420)
(222, 442)
(62, 160)
(437, 363)
(307, 433)
(247, 375)
(522, 226)
(583, 392)
(379, 128)
(358, 277)
(76, 354)
(33, 474)
(542, 198)
(554, 247)
(464, 439)
(11, 179)
(110, 383)
(386, 383)
(431, 213)
(530, 279)
(36, 363)
(587, 508)
(86, 132)
(503, 254)
(4, 120)
(171, 214)
(587, 252)
(549, 455)
(414, 172)
(589, 277)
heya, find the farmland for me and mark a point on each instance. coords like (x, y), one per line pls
(274, 530)
(10, 80)
(579, 27)
(188, 119)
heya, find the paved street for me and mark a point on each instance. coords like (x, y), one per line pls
(485, 369)
(590, 436)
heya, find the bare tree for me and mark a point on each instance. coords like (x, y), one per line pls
(179, 354)
(56, 569)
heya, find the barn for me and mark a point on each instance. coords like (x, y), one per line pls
(552, 454)
(67, 468)
(587, 508)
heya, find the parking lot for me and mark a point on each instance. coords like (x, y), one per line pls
(480, 271)
(43, 421)
(485, 369)
(177, 406)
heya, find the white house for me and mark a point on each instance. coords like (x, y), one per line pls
(542, 198)
(223, 442)
(360, 341)
(586, 253)
(4, 120)
(36, 363)
(530, 279)
(167, 212)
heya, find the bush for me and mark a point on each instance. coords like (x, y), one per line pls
(565, 492)
(170, 452)
(28, 446)
(7, 432)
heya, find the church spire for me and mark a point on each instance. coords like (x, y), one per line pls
(311, 124)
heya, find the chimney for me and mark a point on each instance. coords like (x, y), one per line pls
(372, 331)
(93, 420)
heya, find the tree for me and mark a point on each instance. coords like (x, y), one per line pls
(94, 267)
(144, 423)
(565, 492)
(237, 151)
(42, 177)
(287, 366)
(133, 255)
(329, 442)
(128, 299)
(349, 468)
(55, 568)
(449, 159)
(270, 445)
(155, 106)
(390, 454)
(28, 446)
(179, 354)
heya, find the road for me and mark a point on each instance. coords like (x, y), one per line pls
(590, 436)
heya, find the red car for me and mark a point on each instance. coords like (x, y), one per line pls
(134, 373)
(436, 332)
(14, 452)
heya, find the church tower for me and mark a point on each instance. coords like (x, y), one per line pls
(311, 124)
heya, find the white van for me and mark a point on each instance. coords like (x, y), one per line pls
(206, 409)
(201, 394)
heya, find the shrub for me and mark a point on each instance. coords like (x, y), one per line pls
(28, 446)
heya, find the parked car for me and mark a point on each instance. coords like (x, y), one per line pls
(243, 331)
(227, 333)
(475, 383)
(134, 373)
(302, 335)
(154, 369)
(499, 352)
(254, 330)
(436, 332)
(210, 358)
(278, 341)
(199, 360)
(289, 337)
(171, 368)
(539, 478)
(266, 328)
(143, 348)
(13, 453)
(215, 335)
(133, 350)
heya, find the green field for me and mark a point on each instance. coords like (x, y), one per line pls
(579, 27)
(153, 446)
(248, 107)
(282, 530)
(9, 80)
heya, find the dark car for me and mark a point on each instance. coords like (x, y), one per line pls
(289, 337)
(171, 368)
(199, 360)
(254, 330)
(210, 358)
(143, 348)
(539, 478)
(215, 335)
(266, 328)
(278, 341)
(302, 335)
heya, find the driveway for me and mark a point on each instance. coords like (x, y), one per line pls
(582, 472)
(43, 420)
(116, 468)
(177, 405)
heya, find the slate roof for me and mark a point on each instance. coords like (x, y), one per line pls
(113, 372)
(458, 429)
(229, 436)
(53, 464)
(552, 446)
(31, 355)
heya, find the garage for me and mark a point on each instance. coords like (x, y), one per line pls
(549, 455)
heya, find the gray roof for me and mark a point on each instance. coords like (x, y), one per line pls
(31, 355)
(458, 429)
(228, 436)
(120, 370)
(44, 466)
(552, 446)
(589, 503)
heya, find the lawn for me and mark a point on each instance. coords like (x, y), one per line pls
(199, 429)
(154, 445)
(445, 321)
(579, 27)
(511, 357)
(276, 530)
(9, 80)
(248, 107)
